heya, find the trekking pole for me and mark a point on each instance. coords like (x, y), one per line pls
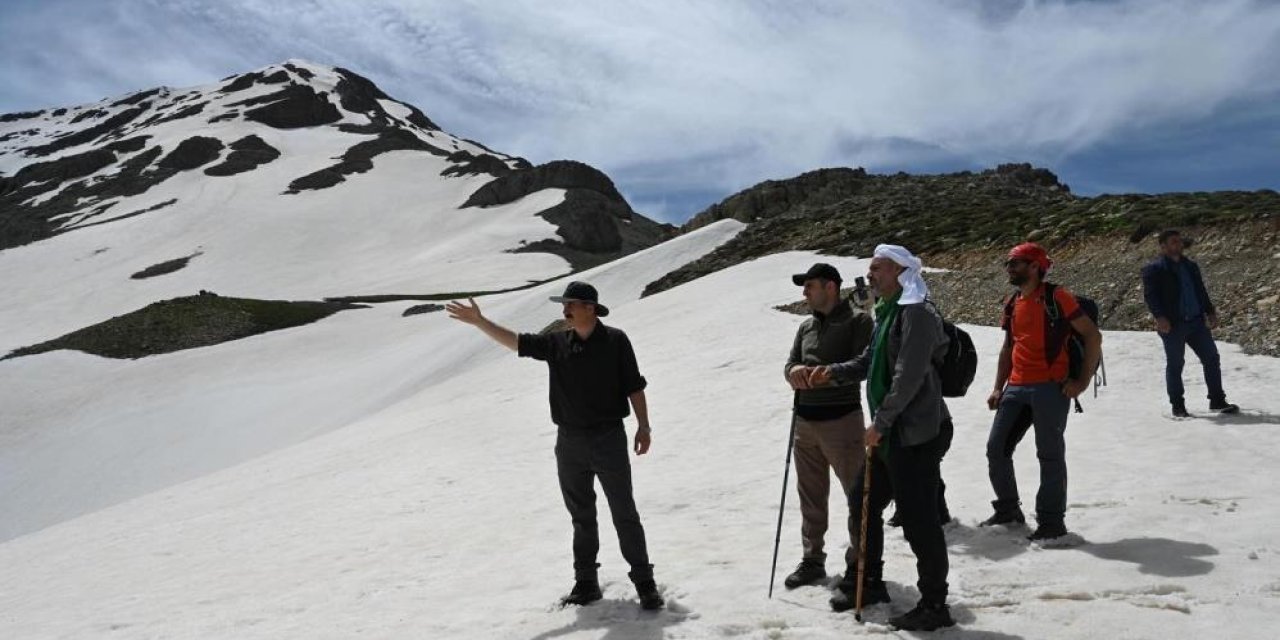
(862, 534)
(786, 473)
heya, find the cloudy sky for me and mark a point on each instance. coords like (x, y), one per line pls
(685, 102)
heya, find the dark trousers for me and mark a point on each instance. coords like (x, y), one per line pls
(581, 457)
(944, 445)
(911, 477)
(944, 513)
(1195, 334)
(1022, 406)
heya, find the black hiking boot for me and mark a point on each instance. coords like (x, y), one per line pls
(1180, 410)
(807, 572)
(584, 592)
(1048, 531)
(1005, 514)
(874, 592)
(650, 599)
(1222, 406)
(925, 617)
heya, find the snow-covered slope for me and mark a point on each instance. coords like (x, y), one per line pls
(81, 432)
(362, 197)
(433, 510)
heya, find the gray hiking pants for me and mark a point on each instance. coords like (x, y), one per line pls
(1021, 407)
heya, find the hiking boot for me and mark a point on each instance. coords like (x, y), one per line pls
(1222, 406)
(848, 581)
(650, 599)
(925, 617)
(874, 592)
(584, 592)
(1005, 514)
(1048, 531)
(807, 572)
(1180, 410)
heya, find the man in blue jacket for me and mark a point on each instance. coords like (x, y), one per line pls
(1184, 315)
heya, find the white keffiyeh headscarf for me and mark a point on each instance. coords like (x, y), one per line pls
(914, 290)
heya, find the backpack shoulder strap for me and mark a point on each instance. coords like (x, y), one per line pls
(1051, 303)
(1009, 301)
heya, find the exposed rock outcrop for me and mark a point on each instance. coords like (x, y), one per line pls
(89, 134)
(558, 174)
(359, 159)
(293, 107)
(247, 153)
(193, 152)
(187, 323)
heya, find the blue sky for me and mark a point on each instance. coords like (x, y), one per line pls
(684, 103)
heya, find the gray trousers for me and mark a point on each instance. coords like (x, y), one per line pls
(581, 457)
(1021, 407)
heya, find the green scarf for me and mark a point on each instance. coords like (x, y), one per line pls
(880, 376)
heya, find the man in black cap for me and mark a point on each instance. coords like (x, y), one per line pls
(593, 376)
(828, 420)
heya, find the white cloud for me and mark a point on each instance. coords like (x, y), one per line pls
(763, 89)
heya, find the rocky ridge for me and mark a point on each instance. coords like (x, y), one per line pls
(966, 221)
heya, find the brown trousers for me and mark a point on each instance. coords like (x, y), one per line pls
(821, 447)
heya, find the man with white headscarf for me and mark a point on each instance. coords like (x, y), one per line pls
(908, 430)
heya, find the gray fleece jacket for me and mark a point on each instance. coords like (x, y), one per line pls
(914, 405)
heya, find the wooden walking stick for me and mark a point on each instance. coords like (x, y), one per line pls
(862, 534)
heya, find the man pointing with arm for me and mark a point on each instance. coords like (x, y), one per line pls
(593, 377)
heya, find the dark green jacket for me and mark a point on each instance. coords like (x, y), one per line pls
(828, 339)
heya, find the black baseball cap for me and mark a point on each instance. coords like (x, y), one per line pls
(818, 270)
(582, 292)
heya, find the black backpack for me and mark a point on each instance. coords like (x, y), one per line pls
(959, 364)
(1057, 325)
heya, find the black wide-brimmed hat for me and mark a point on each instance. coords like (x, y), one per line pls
(818, 270)
(582, 292)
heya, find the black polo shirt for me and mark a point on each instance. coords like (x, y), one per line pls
(590, 379)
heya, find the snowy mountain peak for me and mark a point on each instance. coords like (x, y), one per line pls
(296, 180)
(65, 167)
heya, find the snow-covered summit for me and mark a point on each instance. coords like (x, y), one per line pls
(296, 180)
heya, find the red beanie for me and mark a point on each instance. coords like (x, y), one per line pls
(1033, 253)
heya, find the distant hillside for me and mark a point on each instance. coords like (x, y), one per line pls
(187, 323)
(966, 221)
